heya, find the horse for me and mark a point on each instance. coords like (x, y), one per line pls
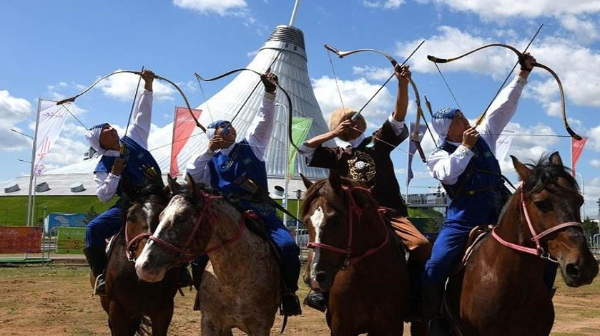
(501, 291)
(354, 257)
(241, 286)
(134, 306)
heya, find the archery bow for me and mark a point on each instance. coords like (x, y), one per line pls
(287, 96)
(187, 104)
(520, 55)
(415, 134)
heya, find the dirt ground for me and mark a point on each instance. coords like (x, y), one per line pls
(55, 300)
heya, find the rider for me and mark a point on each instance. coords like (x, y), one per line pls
(465, 164)
(128, 157)
(227, 166)
(367, 159)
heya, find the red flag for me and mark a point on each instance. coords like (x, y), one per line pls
(183, 125)
(576, 149)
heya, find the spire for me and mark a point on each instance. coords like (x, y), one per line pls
(294, 12)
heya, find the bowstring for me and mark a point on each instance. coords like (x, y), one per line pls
(335, 79)
(137, 88)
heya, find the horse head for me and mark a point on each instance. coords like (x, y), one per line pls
(143, 205)
(334, 212)
(183, 231)
(550, 204)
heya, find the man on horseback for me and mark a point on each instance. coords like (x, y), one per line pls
(229, 166)
(466, 165)
(367, 159)
(127, 157)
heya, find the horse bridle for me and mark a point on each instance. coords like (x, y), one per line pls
(205, 212)
(538, 250)
(354, 210)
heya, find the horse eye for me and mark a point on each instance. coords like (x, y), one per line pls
(543, 206)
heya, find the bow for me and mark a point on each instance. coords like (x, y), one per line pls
(287, 96)
(415, 134)
(187, 104)
(520, 55)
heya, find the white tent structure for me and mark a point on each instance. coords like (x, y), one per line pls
(284, 52)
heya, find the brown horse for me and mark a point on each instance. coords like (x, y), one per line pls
(134, 306)
(501, 290)
(241, 286)
(355, 258)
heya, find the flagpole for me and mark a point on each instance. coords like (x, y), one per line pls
(33, 150)
(173, 142)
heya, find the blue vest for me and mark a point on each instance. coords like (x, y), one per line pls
(137, 159)
(478, 195)
(228, 171)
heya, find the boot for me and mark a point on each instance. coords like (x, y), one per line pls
(96, 258)
(185, 279)
(415, 269)
(432, 313)
(290, 304)
(317, 300)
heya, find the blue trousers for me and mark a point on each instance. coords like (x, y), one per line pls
(103, 227)
(449, 245)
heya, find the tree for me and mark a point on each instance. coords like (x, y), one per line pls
(590, 228)
(90, 215)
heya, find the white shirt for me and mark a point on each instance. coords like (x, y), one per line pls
(259, 136)
(447, 167)
(138, 131)
(308, 152)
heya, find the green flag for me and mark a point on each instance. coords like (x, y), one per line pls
(300, 127)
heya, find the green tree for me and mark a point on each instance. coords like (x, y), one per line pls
(590, 228)
(90, 214)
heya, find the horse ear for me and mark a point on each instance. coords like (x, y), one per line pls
(521, 169)
(555, 159)
(191, 184)
(307, 183)
(335, 180)
(172, 183)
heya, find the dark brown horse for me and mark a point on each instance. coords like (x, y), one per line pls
(134, 306)
(502, 291)
(241, 286)
(355, 258)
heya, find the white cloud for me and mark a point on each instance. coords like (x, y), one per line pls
(122, 86)
(498, 9)
(385, 4)
(12, 111)
(220, 7)
(593, 142)
(595, 163)
(585, 31)
(529, 144)
(373, 73)
(355, 93)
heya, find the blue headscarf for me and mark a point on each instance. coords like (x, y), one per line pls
(212, 127)
(441, 122)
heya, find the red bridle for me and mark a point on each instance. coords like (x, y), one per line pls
(205, 212)
(538, 250)
(358, 212)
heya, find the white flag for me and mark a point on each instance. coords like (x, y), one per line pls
(51, 120)
(503, 143)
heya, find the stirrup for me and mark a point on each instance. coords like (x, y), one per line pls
(316, 301)
(100, 286)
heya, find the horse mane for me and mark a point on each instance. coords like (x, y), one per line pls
(338, 203)
(147, 191)
(545, 173)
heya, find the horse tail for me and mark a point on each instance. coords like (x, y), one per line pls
(145, 327)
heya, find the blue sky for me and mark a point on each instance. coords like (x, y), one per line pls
(53, 49)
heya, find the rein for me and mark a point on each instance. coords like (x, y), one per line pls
(205, 212)
(354, 210)
(538, 250)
